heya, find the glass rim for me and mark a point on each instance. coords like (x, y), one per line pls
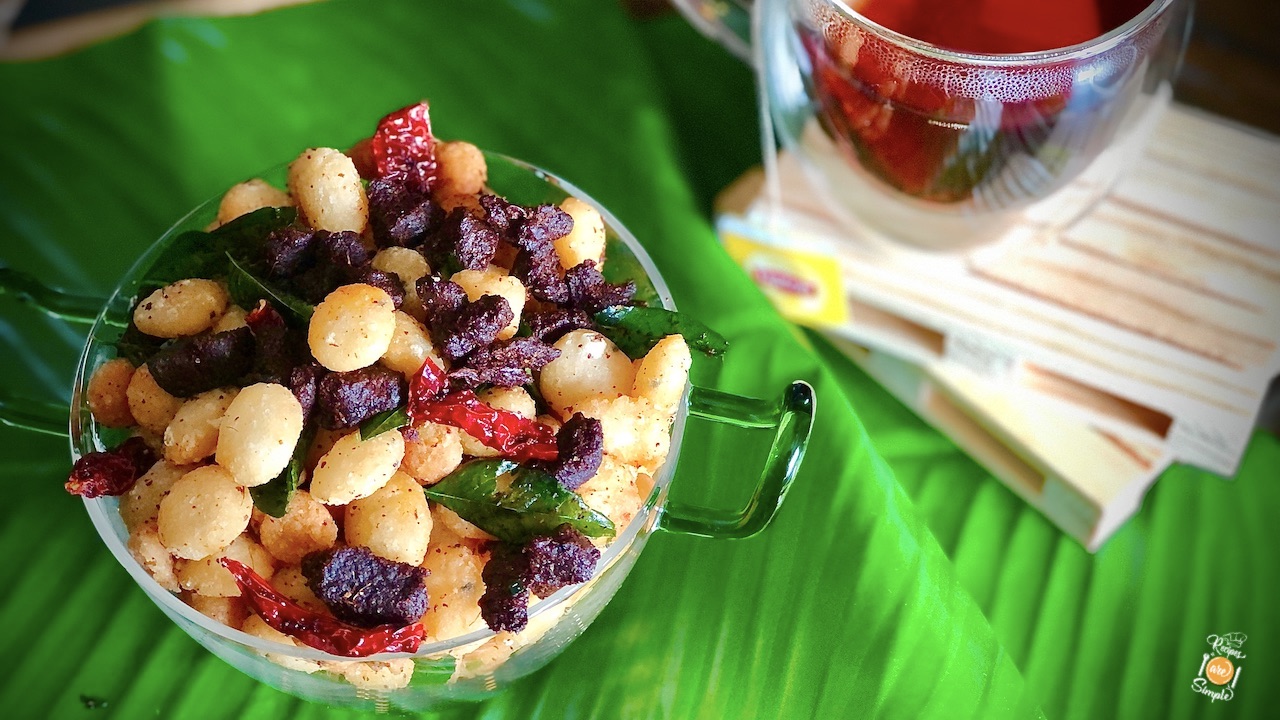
(1088, 48)
(102, 510)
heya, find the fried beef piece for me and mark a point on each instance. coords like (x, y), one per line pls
(543, 225)
(346, 399)
(589, 291)
(340, 259)
(289, 251)
(469, 240)
(112, 472)
(538, 267)
(343, 252)
(386, 282)
(533, 231)
(364, 589)
(506, 364)
(401, 215)
(314, 284)
(203, 362)
(551, 325)
(505, 602)
(460, 327)
(542, 565)
(277, 349)
(581, 446)
(475, 325)
(566, 558)
(441, 299)
(503, 215)
(303, 382)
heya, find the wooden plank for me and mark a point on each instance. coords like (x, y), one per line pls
(1202, 145)
(1235, 212)
(1180, 256)
(1139, 301)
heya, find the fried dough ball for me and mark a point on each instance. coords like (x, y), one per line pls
(305, 528)
(108, 393)
(590, 366)
(243, 198)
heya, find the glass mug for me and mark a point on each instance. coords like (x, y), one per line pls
(946, 149)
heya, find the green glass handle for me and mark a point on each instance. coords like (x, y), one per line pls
(39, 416)
(792, 416)
(72, 308)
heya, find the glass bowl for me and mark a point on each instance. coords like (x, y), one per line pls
(480, 663)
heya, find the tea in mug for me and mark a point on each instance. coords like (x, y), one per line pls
(974, 135)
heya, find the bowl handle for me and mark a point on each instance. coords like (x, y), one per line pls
(79, 309)
(26, 413)
(39, 416)
(792, 420)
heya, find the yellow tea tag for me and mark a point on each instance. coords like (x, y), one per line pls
(806, 287)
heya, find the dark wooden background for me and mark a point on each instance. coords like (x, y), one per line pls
(1233, 62)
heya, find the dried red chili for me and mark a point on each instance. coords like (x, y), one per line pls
(403, 145)
(314, 629)
(516, 437)
(426, 385)
(263, 316)
(112, 472)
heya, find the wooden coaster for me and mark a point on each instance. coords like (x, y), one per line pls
(1155, 318)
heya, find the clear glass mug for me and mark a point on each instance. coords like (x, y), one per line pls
(481, 663)
(912, 142)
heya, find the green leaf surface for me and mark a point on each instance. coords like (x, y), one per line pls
(635, 330)
(204, 254)
(848, 606)
(136, 345)
(392, 419)
(621, 266)
(246, 289)
(273, 496)
(433, 671)
(531, 503)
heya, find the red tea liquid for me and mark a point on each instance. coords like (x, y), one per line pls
(999, 26)
(952, 131)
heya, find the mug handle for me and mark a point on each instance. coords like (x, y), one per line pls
(791, 417)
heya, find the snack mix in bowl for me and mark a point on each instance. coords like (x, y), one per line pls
(384, 436)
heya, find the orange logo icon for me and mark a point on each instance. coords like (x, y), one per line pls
(1219, 671)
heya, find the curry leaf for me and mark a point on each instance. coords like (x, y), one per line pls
(196, 253)
(637, 329)
(392, 419)
(273, 497)
(247, 289)
(533, 504)
(137, 346)
(433, 671)
(623, 265)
